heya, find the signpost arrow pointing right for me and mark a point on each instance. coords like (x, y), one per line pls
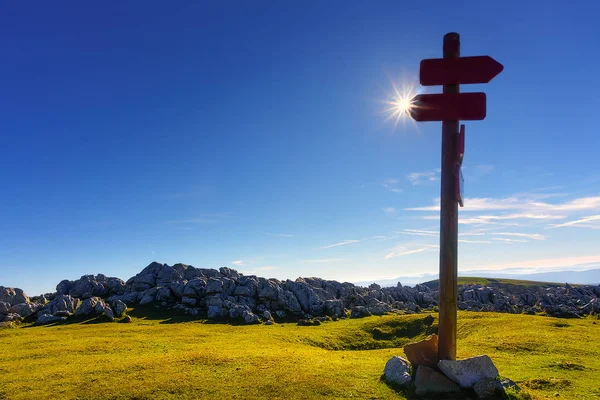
(454, 71)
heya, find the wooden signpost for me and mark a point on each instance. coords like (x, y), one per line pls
(450, 107)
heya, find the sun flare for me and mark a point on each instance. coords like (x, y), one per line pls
(400, 104)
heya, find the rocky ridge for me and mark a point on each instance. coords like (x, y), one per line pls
(229, 295)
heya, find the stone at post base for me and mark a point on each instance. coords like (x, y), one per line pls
(397, 371)
(485, 388)
(424, 352)
(430, 382)
(469, 371)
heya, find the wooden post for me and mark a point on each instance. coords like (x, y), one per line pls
(449, 221)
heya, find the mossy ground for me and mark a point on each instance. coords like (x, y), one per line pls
(157, 357)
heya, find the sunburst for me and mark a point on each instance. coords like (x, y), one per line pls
(400, 104)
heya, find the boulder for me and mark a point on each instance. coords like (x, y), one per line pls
(214, 285)
(195, 288)
(11, 317)
(88, 286)
(214, 312)
(164, 293)
(334, 307)
(4, 306)
(229, 272)
(13, 296)
(469, 371)
(429, 382)
(250, 318)
(359, 311)
(45, 319)
(485, 388)
(397, 371)
(237, 311)
(268, 289)
(64, 286)
(267, 315)
(146, 299)
(25, 309)
(62, 302)
(506, 383)
(108, 314)
(424, 352)
(87, 306)
(120, 308)
(291, 303)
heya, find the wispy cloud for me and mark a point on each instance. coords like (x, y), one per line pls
(402, 251)
(392, 185)
(285, 235)
(474, 241)
(529, 207)
(534, 236)
(503, 240)
(583, 222)
(418, 232)
(389, 210)
(238, 262)
(343, 243)
(383, 238)
(418, 178)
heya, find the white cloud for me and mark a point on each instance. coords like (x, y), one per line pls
(583, 222)
(238, 262)
(402, 251)
(392, 185)
(529, 207)
(389, 210)
(418, 232)
(473, 241)
(534, 236)
(285, 235)
(343, 243)
(510, 240)
(418, 178)
(383, 238)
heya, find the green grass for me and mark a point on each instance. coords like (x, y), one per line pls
(160, 358)
(515, 286)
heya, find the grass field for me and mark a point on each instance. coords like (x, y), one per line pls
(160, 358)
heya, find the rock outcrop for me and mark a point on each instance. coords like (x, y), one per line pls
(227, 294)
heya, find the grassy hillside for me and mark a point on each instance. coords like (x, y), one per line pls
(160, 358)
(512, 285)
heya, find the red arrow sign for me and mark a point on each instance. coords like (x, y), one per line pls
(453, 71)
(448, 107)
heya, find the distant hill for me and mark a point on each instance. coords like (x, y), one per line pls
(586, 277)
(516, 286)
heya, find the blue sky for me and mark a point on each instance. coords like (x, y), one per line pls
(253, 135)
